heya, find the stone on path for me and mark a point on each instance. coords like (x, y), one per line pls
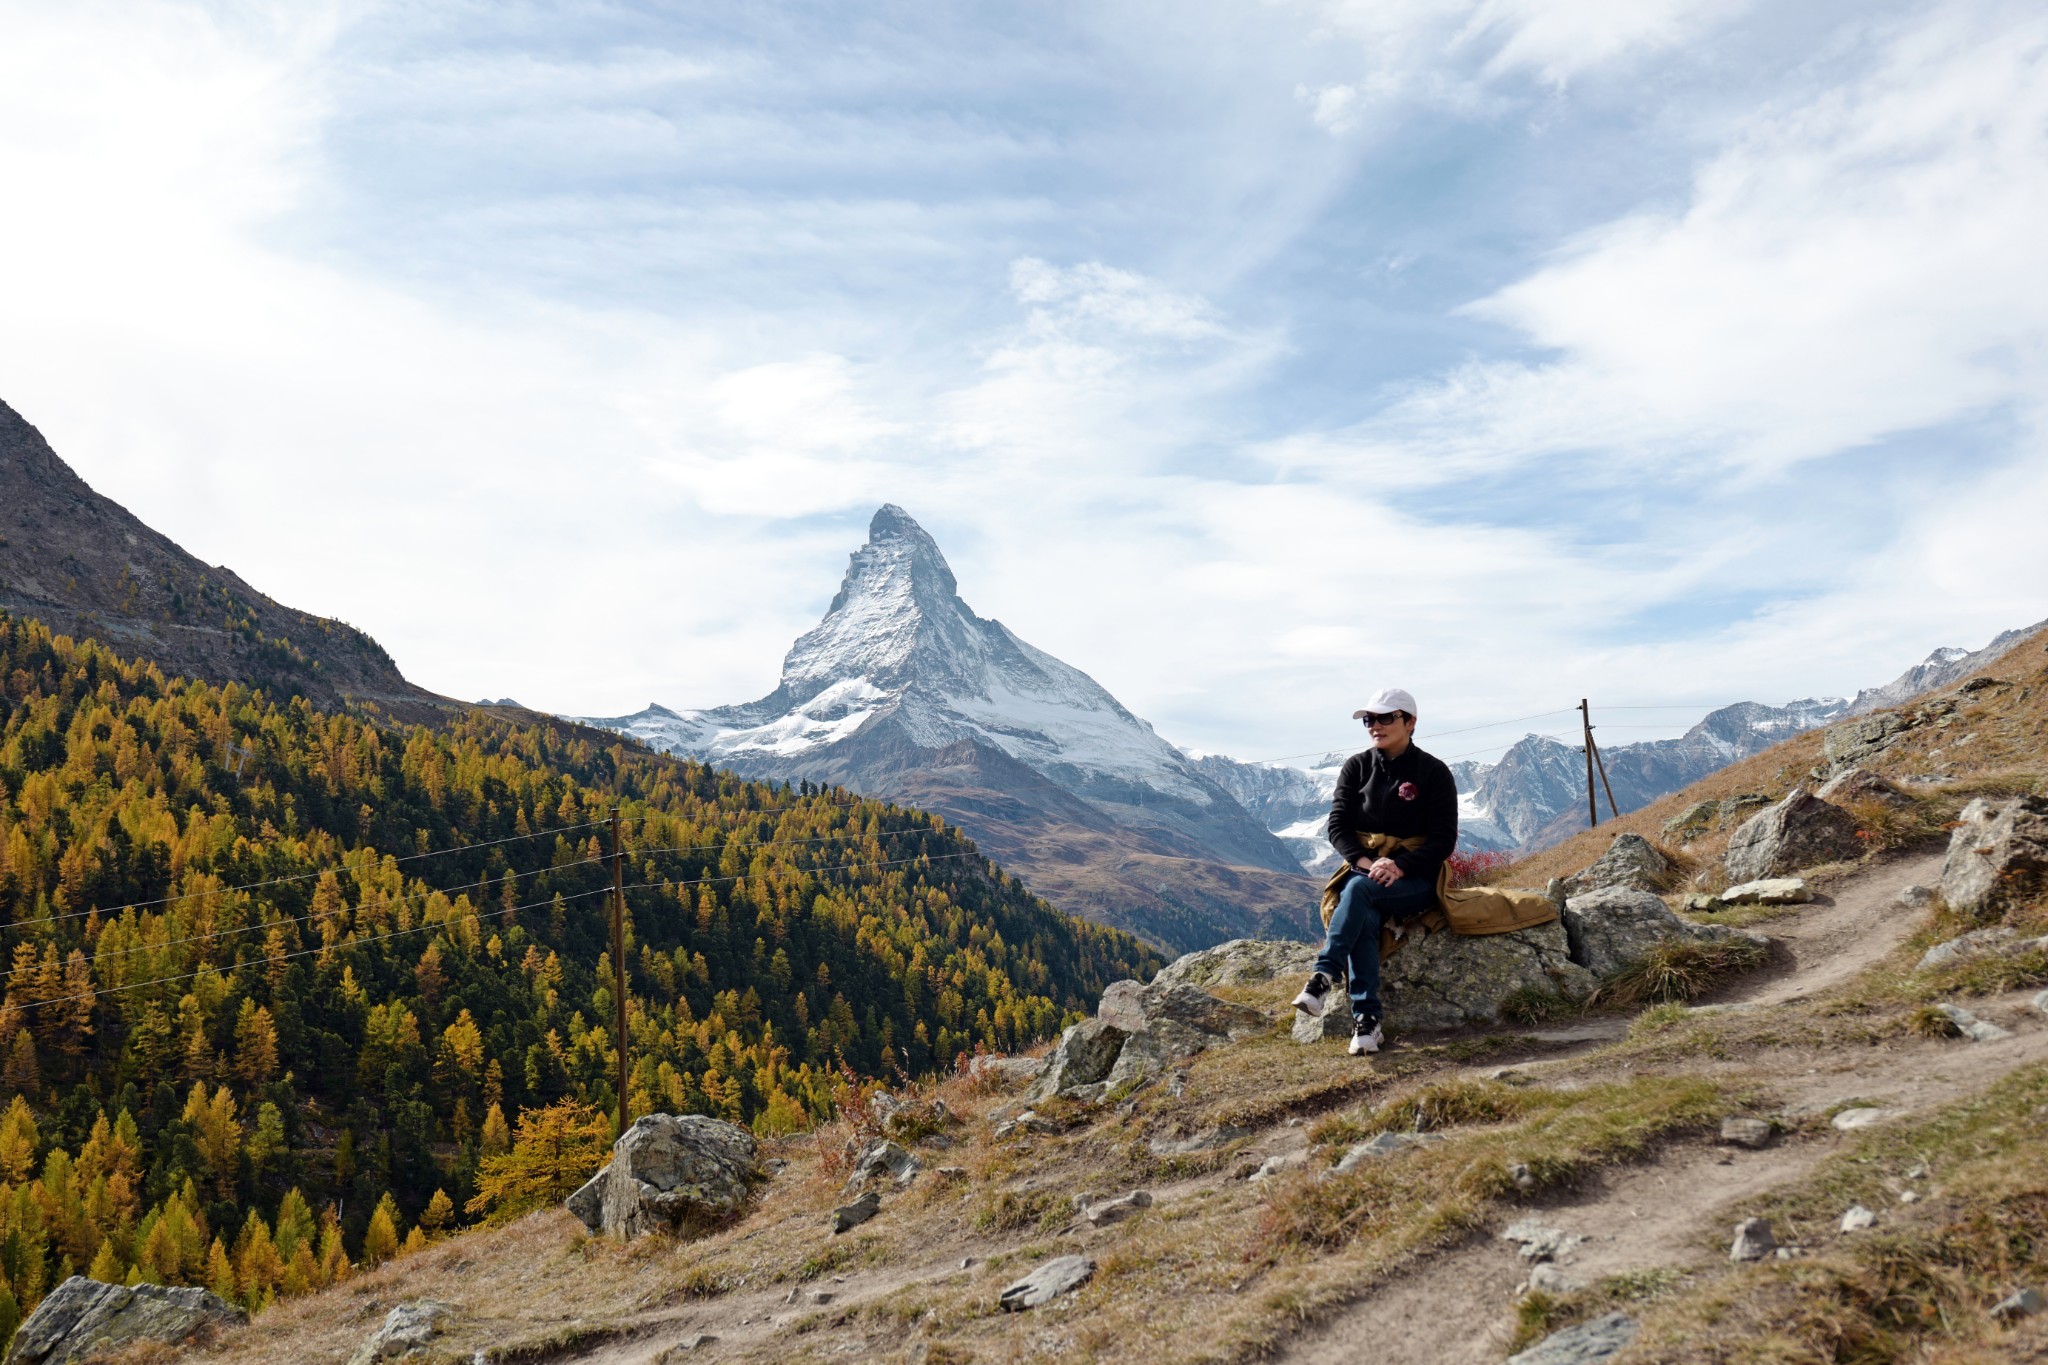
(1914, 897)
(1864, 1116)
(1752, 1133)
(849, 1216)
(1753, 1240)
(1540, 1241)
(2040, 1002)
(1858, 1219)
(82, 1318)
(1997, 857)
(1769, 891)
(1277, 1165)
(1546, 1278)
(1047, 1283)
(1800, 831)
(1971, 1027)
(1585, 1344)
(677, 1174)
(406, 1330)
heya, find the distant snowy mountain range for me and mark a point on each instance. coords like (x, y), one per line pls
(902, 691)
(1534, 795)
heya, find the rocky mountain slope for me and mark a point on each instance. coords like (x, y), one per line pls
(85, 566)
(902, 691)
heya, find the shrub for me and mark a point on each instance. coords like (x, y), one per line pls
(1478, 867)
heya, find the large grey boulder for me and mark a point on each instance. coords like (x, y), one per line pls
(1137, 1032)
(1085, 1054)
(678, 1174)
(1445, 981)
(1800, 831)
(1630, 861)
(1614, 929)
(405, 1331)
(1240, 962)
(1997, 857)
(82, 1318)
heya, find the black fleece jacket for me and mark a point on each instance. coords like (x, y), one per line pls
(1370, 800)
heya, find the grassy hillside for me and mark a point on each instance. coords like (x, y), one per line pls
(1957, 742)
(272, 967)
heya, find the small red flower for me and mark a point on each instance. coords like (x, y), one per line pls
(1406, 791)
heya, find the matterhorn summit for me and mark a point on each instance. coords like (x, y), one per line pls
(902, 691)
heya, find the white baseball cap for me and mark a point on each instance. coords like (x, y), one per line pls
(1385, 700)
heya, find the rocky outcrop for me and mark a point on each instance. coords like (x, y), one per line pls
(1445, 981)
(1997, 857)
(83, 1318)
(681, 1175)
(1702, 816)
(1630, 861)
(1855, 743)
(1800, 831)
(1614, 929)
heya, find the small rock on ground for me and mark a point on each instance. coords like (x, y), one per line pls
(1548, 1279)
(1385, 1144)
(1851, 1119)
(2024, 1304)
(849, 1216)
(1858, 1219)
(406, 1331)
(1746, 1132)
(1753, 1240)
(1115, 1210)
(1540, 1241)
(1276, 1165)
(1047, 1283)
(2040, 1002)
(1769, 891)
(1971, 1027)
(1581, 1345)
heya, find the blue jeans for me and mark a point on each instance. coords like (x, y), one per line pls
(1352, 947)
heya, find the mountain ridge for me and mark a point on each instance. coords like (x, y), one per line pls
(86, 566)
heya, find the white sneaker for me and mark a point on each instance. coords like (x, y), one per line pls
(1310, 1001)
(1363, 1042)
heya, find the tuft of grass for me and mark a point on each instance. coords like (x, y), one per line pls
(1929, 1022)
(1006, 1210)
(1450, 1104)
(1678, 970)
(1530, 1006)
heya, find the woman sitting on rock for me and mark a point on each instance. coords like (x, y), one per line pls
(1394, 820)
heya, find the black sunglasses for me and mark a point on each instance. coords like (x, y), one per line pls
(1375, 718)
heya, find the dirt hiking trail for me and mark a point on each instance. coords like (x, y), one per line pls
(1670, 1213)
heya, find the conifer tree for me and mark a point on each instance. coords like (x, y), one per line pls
(380, 1239)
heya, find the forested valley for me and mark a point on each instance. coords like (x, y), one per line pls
(280, 982)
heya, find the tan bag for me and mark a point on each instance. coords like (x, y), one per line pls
(1470, 912)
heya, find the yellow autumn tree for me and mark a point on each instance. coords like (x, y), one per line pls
(558, 1148)
(380, 1239)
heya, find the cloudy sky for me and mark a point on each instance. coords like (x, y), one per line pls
(1246, 355)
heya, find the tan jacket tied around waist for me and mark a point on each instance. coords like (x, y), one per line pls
(1470, 911)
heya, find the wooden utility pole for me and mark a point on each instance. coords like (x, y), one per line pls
(1586, 718)
(619, 960)
(1613, 811)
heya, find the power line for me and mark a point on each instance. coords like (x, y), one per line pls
(443, 924)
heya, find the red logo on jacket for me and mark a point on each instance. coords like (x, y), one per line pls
(1406, 791)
